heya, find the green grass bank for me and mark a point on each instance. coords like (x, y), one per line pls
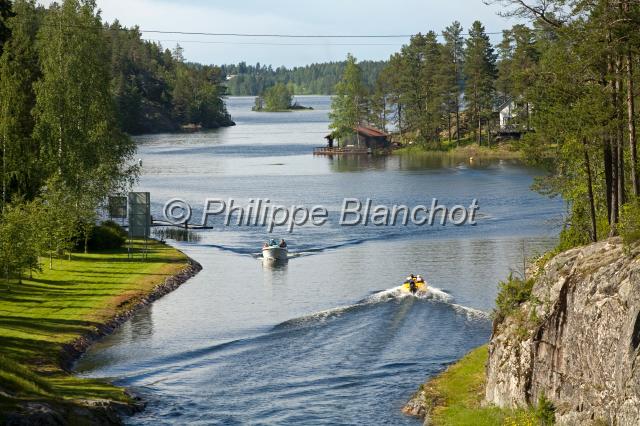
(455, 397)
(467, 149)
(50, 319)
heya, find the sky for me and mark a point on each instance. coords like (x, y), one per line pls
(320, 17)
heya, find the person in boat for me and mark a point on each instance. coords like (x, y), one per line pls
(419, 279)
(283, 243)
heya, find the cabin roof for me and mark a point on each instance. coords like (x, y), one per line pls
(371, 132)
(366, 131)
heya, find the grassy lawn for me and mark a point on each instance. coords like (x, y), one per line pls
(467, 149)
(457, 394)
(55, 307)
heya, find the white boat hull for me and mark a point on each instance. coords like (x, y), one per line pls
(275, 253)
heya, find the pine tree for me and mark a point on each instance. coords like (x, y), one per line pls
(518, 59)
(504, 82)
(453, 84)
(19, 69)
(411, 89)
(348, 108)
(390, 79)
(382, 97)
(5, 13)
(480, 72)
(431, 81)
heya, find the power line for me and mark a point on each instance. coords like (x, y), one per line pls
(289, 35)
(274, 35)
(257, 35)
(272, 44)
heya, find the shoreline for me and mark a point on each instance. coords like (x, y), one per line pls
(456, 396)
(101, 410)
(72, 352)
(504, 151)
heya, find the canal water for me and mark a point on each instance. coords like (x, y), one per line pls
(326, 338)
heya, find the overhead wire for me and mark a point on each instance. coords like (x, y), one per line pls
(270, 44)
(258, 35)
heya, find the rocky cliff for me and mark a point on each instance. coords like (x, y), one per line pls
(576, 340)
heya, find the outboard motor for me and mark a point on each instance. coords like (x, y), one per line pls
(413, 288)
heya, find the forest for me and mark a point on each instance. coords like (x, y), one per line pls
(156, 90)
(314, 79)
(570, 76)
(72, 90)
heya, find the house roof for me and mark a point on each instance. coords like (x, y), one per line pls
(505, 104)
(370, 131)
(366, 131)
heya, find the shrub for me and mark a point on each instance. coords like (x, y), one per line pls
(116, 227)
(20, 240)
(103, 237)
(545, 411)
(512, 293)
(572, 236)
(630, 222)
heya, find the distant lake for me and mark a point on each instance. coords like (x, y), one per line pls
(325, 339)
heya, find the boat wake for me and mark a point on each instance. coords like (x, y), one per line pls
(305, 250)
(304, 327)
(433, 294)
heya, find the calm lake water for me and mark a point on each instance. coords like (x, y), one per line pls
(326, 338)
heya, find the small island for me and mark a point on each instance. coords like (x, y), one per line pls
(277, 98)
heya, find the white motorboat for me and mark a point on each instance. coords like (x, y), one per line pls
(275, 252)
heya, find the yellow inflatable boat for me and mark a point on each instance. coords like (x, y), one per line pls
(420, 287)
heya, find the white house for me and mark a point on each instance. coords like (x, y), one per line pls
(507, 113)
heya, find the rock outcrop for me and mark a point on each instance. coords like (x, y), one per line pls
(577, 341)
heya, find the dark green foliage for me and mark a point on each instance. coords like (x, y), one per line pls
(61, 147)
(573, 235)
(480, 75)
(349, 105)
(103, 237)
(75, 120)
(19, 240)
(157, 91)
(519, 57)
(19, 70)
(116, 227)
(420, 89)
(5, 13)
(452, 78)
(630, 222)
(275, 98)
(314, 79)
(545, 411)
(70, 89)
(576, 66)
(511, 294)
